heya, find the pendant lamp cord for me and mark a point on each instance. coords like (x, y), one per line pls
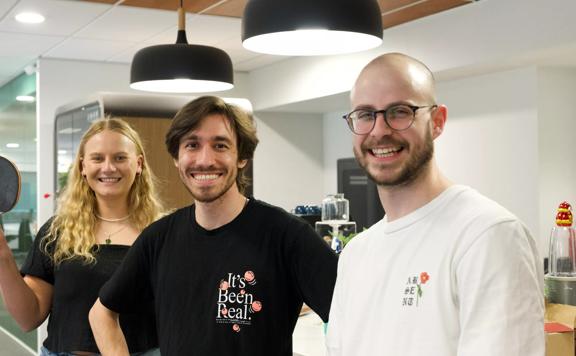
(181, 24)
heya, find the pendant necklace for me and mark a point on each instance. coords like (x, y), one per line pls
(110, 234)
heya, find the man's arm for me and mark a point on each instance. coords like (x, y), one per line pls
(314, 266)
(107, 332)
(500, 294)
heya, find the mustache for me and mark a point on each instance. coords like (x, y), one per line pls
(383, 141)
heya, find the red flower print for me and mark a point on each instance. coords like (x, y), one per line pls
(249, 276)
(424, 277)
(256, 306)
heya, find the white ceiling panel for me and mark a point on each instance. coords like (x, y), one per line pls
(87, 49)
(126, 55)
(209, 30)
(258, 61)
(5, 6)
(129, 24)
(62, 17)
(15, 44)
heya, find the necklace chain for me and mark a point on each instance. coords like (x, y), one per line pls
(110, 234)
(112, 220)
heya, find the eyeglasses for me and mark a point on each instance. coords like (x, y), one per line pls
(397, 117)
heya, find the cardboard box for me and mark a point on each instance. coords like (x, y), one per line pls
(560, 321)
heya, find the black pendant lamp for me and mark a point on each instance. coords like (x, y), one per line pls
(181, 67)
(311, 27)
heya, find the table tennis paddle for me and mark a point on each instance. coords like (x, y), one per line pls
(10, 184)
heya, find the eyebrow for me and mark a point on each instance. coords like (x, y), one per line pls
(100, 153)
(217, 138)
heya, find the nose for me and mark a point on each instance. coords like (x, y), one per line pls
(109, 165)
(205, 156)
(381, 127)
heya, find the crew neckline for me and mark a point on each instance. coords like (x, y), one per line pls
(443, 198)
(239, 217)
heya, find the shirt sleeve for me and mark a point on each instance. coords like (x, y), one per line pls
(38, 264)
(500, 293)
(314, 266)
(334, 332)
(130, 287)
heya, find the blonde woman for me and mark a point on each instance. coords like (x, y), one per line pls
(109, 198)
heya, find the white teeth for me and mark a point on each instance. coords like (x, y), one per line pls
(385, 152)
(205, 176)
(109, 180)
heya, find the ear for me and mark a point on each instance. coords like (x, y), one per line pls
(140, 162)
(242, 163)
(82, 167)
(175, 160)
(439, 117)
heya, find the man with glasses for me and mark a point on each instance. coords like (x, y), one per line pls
(447, 271)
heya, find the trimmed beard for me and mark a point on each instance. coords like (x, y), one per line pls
(411, 170)
(217, 195)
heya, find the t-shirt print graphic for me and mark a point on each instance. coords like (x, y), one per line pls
(236, 303)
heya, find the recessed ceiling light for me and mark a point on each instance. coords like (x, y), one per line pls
(29, 17)
(12, 145)
(26, 98)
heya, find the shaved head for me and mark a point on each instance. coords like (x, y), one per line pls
(402, 71)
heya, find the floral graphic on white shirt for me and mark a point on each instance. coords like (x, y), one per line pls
(413, 291)
(424, 277)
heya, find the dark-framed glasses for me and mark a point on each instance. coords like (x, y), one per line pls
(398, 117)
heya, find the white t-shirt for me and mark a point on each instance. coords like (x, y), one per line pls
(458, 276)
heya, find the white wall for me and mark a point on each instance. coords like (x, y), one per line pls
(557, 130)
(288, 163)
(337, 144)
(491, 139)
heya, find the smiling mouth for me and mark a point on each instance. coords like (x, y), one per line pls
(205, 176)
(386, 152)
(109, 180)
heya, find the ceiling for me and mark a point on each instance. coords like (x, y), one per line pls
(114, 30)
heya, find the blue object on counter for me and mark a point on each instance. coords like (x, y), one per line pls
(307, 210)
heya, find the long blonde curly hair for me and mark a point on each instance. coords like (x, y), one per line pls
(72, 231)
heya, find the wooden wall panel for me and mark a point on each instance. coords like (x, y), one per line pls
(231, 8)
(390, 5)
(394, 12)
(170, 187)
(418, 10)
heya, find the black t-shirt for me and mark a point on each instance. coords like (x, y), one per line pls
(234, 290)
(75, 289)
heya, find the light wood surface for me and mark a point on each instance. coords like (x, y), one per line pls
(170, 187)
(394, 12)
